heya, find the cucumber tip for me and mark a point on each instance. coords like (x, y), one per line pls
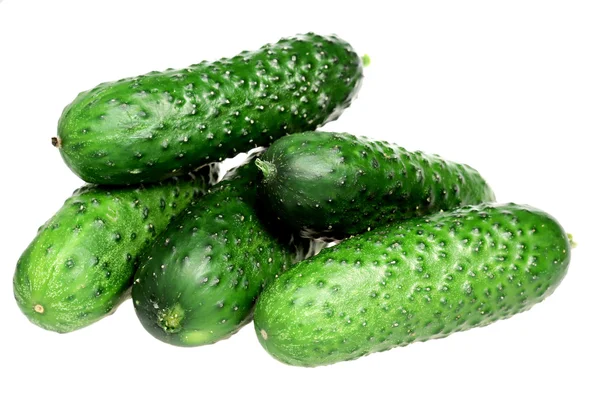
(571, 241)
(38, 308)
(366, 60)
(56, 142)
(171, 319)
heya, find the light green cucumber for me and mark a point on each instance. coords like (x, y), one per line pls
(81, 264)
(421, 279)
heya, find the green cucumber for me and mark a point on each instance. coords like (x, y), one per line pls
(423, 279)
(203, 275)
(81, 264)
(337, 184)
(157, 125)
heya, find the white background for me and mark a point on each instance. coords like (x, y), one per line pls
(511, 88)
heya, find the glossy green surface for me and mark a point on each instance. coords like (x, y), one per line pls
(205, 272)
(82, 261)
(335, 184)
(423, 279)
(161, 124)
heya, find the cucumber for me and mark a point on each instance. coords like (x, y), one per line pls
(204, 273)
(337, 184)
(424, 279)
(81, 264)
(153, 126)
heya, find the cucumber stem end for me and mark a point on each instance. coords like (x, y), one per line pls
(268, 169)
(571, 241)
(366, 60)
(171, 319)
(264, 334)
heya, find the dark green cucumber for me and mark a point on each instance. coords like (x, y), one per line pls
(205, 272)
(82, 261)
(336, 184)
(423, 279)
(157, 125)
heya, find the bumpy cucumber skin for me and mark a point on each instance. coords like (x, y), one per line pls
(81, 264)
(204, 273)
(423, 279)
(157, 125)
(337, 184)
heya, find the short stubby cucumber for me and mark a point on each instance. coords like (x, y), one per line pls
(81, 264)
(422, 279)
(336, 184)
(157, 125)
(203, 275)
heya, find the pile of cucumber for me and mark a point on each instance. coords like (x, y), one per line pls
(336, 245)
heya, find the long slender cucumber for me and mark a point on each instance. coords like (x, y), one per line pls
(150, 127)
(421, 279)
(337, 184)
